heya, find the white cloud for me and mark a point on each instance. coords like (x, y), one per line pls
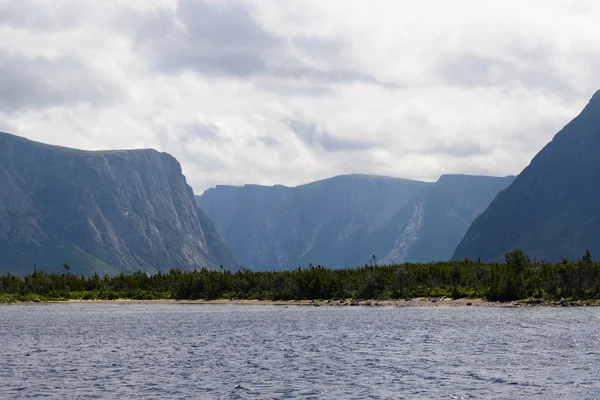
(288, 92)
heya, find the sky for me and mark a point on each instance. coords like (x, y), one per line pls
(288, 92)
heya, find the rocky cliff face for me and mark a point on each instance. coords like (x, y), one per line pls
(322, 222)
(433, 223)
(100, 212)
(552, 209)
(345, 220)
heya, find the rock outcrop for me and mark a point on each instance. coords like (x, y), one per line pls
(104, 212)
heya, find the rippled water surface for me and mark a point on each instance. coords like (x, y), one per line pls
(175, 351)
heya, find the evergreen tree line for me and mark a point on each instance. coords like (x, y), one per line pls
(517, 278)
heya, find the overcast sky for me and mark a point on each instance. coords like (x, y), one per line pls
(292, 91)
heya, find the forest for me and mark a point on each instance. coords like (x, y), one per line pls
(518, 277)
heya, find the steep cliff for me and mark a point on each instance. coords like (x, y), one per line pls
(105, 212)
(552, 209)
(431, 225)
(345, 220)
(323, 222)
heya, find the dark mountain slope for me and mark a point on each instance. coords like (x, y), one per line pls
(219, 253)
(100, 212)
(552, 209)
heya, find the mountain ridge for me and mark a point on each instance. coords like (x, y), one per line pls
(550, 211)
(431, 225)
(109, 211)
(275, 227)
(337, 222)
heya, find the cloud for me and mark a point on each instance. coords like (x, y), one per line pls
(224, 39)
(249, 91)
(268, 141)
(27, 83)
(37, 15)
(472, 70)
(311, 135)
(205, 132)
(458, 150)
(207, 37)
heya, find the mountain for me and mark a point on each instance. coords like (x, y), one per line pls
(345, 220)
(552, 209)
(431, 225)
(104, 212)
(279, 227)
(219, 252)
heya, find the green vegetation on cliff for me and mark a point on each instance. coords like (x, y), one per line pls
(517, 278)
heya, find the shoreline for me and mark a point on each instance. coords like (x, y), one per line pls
(417, 302)
(414, 302)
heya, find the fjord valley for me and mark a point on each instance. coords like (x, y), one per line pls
(105, 213)
(108, 212)
(343, 221)
(263, 199)
(101, 212)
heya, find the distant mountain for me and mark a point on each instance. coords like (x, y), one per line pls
(104, 212)
(431, 225)
(552, 209)
(324, 222)
(345, 220)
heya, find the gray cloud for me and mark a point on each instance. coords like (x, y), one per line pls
(224, 39)
(39, 16)
(310, 134)
(268, 141)
(240, 91)
(477, 70)
(331, 51)
(458, 150)
(27, 83)
(329, 76)
(211, 38)
(228, 25)
(201, 131)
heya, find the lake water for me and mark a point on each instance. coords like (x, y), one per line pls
(207, 351)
